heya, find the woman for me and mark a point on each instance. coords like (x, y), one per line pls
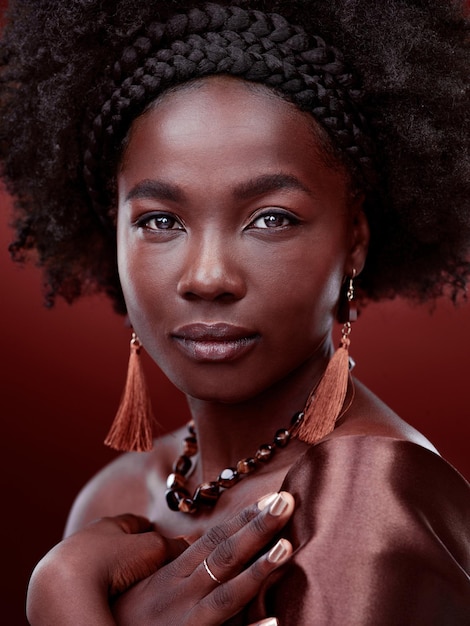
(254, 182)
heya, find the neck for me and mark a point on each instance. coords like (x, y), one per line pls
(229, 432)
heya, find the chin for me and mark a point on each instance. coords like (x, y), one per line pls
(221, 392)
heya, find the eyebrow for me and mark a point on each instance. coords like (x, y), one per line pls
(155, 190)
(160, 190)
(266, 183)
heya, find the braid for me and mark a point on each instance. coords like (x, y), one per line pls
(257, 47)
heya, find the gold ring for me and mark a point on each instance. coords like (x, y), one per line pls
(214, 578)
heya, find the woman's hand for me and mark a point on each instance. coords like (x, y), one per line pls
(73, 583)
(211, 581)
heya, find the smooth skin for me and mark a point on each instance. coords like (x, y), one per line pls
(236, 232)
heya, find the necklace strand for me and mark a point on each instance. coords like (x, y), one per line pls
(206, 494)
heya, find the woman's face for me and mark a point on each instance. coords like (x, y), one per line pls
(234, 238)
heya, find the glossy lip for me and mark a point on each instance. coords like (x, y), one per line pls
(214, 342)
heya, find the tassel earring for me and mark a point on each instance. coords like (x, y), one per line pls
(132, 426)
(325, 402)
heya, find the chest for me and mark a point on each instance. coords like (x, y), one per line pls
(245, 493)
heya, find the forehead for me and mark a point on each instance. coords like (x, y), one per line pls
(221, 126)
(225, 99)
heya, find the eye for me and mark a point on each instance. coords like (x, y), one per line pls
(273, 219)
(159, 221)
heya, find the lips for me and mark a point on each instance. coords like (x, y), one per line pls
(214, 342)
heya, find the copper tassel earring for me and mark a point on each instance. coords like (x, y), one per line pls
(325, 402)
(132, 426)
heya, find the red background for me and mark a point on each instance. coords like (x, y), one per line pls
(62, 376)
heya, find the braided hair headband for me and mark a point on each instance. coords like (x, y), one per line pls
(249, 44)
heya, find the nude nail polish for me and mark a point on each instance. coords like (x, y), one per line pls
(266, 501)
(278, 552)
(278, 506)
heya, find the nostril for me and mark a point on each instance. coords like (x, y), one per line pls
(209, 278)
(222, 297)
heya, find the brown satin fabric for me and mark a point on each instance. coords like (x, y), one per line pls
(381, 535)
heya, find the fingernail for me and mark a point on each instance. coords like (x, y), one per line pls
(278, 506)
(270, 621)
(264, 502)
(278, 552)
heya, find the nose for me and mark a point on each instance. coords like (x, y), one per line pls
(211, 272)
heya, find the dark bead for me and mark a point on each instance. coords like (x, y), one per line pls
(174, 481)
(296, 421)
(282, 437)
(207, 494)
(187, 505)
(174, 497)
(246, 466)
(297, 418)
(347, 311)
(264, 452)
(190, 446)
(228, 477)
(182, 465)
(192, 428)
(352, 317)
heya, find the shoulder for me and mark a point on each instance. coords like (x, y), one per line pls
(117, 488)
(381, 535)
(382, 474)
(123, 486)
(389, 464)
(368, 415)
(392, 492)
(378, 457)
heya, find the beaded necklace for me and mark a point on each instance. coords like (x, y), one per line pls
(206, 494)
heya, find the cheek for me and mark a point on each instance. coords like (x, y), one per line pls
(303, 276)
(308, 302)
(144, 283)
(124, 261)
(135, 273)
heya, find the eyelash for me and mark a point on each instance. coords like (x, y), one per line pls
(144, 221)
(272, 213)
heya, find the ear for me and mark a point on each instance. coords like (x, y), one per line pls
(359, 237)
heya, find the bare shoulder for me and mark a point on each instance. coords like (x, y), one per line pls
(122, 486)
(370, 416)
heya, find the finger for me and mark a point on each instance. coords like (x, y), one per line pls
(269, 621)
(218, 533)
(133, 524)
(127, 523)
(137, 557)
(231, 555)
(202, 547)
(247, 584)
(229, 598)
(175, 547)
(137, 550)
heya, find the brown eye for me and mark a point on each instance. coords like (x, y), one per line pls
(160, 222)
(272, 220)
